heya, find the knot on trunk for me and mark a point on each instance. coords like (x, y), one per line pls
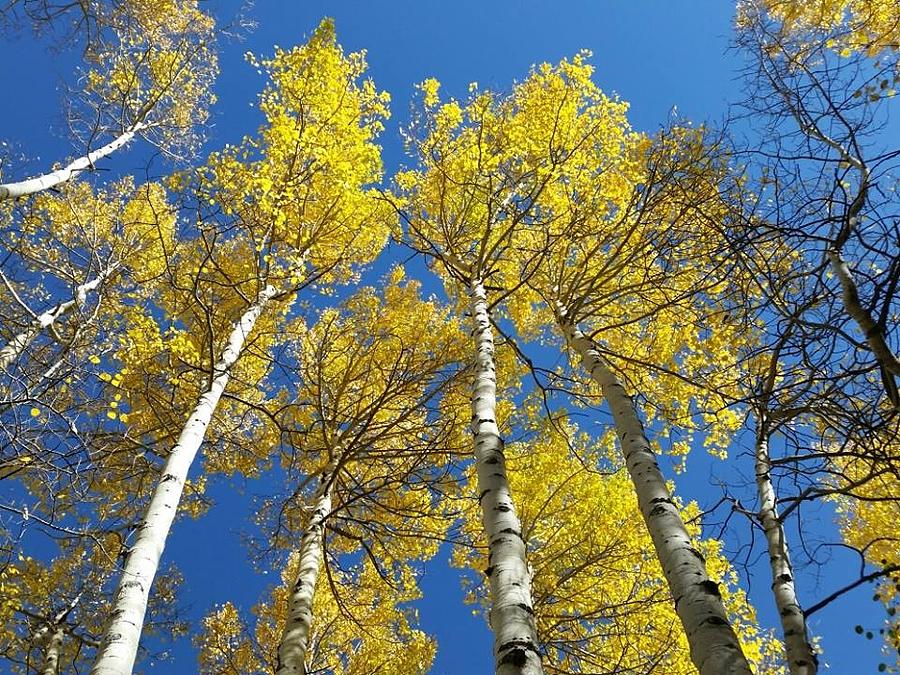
(715, 621)
(784, 578)
(516, 652)
(712, 588)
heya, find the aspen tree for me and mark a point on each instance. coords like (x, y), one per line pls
(824, 79)
(607, 239)
(368, 382)
(566, 157)
(86, 240)
(779, 395)
(367, 377)
(150, 75)
(461, 211)
(311, 220)
(799, 653)
(369, 607)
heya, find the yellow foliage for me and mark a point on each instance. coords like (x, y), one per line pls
(33, 594)
(119, 225)
(303, 201)
(368, 384)
(156, 69)
(868, 513)
(868, 26)
(367, 629)
(473, 200)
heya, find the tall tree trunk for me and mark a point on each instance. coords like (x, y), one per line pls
(50, 664)
(120, 641)
(715, 649)
(516, 649)
(31, 186)
(295, 639)
(12, 350)
(798, 650)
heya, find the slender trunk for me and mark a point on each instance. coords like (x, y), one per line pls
(120, 641)
(295, 639)
(512, 615)
(798, 650)
(715, 649)
(50, 664)
(12, 350)
(869, 327)
(30, 186)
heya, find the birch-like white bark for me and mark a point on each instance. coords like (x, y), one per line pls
(801, 658)
(873, 332)
(715, 649)
(516, 650)
(50, 664)
(295, 638)
(31, 186)
(119, 646)
(13, 350)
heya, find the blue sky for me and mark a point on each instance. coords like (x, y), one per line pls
(656, 55)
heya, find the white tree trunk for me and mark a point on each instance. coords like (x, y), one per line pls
(799, 652)
(715, 649)
(12, 350)
(31, 186)
(50, 664)
(295, 639)
(516, 650)
(120, 641)
(874, 335)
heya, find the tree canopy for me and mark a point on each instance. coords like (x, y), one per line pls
(637, 386)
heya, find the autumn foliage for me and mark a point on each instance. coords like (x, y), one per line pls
(504, 353)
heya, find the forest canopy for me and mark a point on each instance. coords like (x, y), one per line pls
(628, 391)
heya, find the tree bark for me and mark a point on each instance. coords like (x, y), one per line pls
(516, 650)
(873, 332)
(800, 656)
(715, 649)
(120, 641)
(12, 350)
(31, 186)
(50, 664)
(295, 638)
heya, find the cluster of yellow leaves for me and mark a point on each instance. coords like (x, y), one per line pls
(869, 518)
(33, 594)
(868, 26)
(368, 629)
(156, 67)
(10, 593)
(366, 398)
(299, 188)
(488, 167)
(81, 228)
(600, 599)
